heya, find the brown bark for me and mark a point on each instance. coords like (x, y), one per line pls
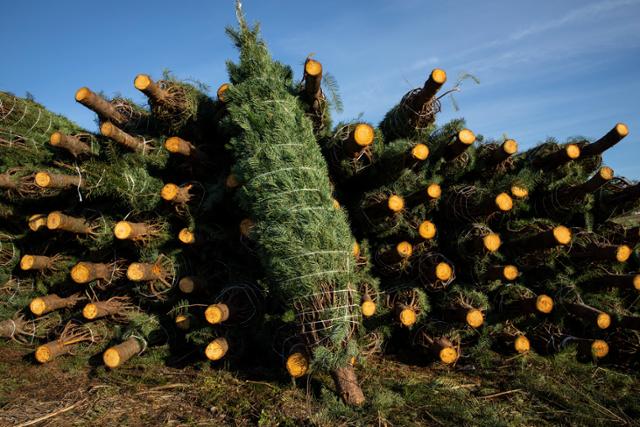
(189, 237)
(470, 202)
(99, 309)
(70, 143)
(192, 284)
(599, 253)
(175, 194)
(463, 141)
(48, 303)
(231, 182)
(126, 230)
(36, 262)
(385, 207)
(220, 93)
(49, 351)
(436, 346)
(9, 328)
(246, 227)
(37, 221)
(347, 385)
(312, 80)
(494, 204)
(471, 316)
(361, 137)
(59, 221)
(436, 79)
(85, 272)
(7, 182)
(58, 181)
(147, 86)
(629, 194)
(217, 313)
(435, 270)
(603, 176)
(558, 158)
(612, 137)
(576, 193)
(542, 240)
(143, 272)
(99, 105)
(589, 314)
(629, 281)
(501, 272)
(178, 145)
(424, 195)
(121, 137)
(119, 354)
(482, 243)
(396, 254)
(500, 153)
(405, 314)
(413, 158)
(217, 349)
(540, 304)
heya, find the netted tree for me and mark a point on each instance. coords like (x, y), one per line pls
(304, 242)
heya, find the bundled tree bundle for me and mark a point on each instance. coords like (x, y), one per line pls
(304, 242)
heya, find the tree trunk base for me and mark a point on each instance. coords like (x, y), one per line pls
(347, 386)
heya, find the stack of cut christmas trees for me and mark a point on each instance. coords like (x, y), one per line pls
(235, 226)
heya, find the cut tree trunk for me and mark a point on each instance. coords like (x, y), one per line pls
(347, 385)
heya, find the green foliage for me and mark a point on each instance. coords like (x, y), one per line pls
(304, 243)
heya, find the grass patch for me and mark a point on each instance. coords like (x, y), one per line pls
(523, 390)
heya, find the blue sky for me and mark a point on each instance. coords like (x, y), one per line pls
(547, 68)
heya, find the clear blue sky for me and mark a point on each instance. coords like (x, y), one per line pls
(547, 68)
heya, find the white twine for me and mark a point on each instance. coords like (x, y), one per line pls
(303, 313)
(100, 179)
(287, 192)
(332, 326)
(348, 318)
(288, 144)
(130, 179)
(49, 126)
(36, 121)
(13, 254)
(15, 328)
(142, 340)
(113, 272)
(79, 184)
(319, 273)
(336, 291)
(276, 101)
(310, 208)
(283, 170)
(91, 332)
(24, 113)
(10, 111)
(315, 253)
(145, 142)
(566, 340)
(239, 10)
(91, 293)
(15, 102)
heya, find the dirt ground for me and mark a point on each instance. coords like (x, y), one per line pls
(523, 391)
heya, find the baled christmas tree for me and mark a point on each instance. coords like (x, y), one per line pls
(304, 241)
